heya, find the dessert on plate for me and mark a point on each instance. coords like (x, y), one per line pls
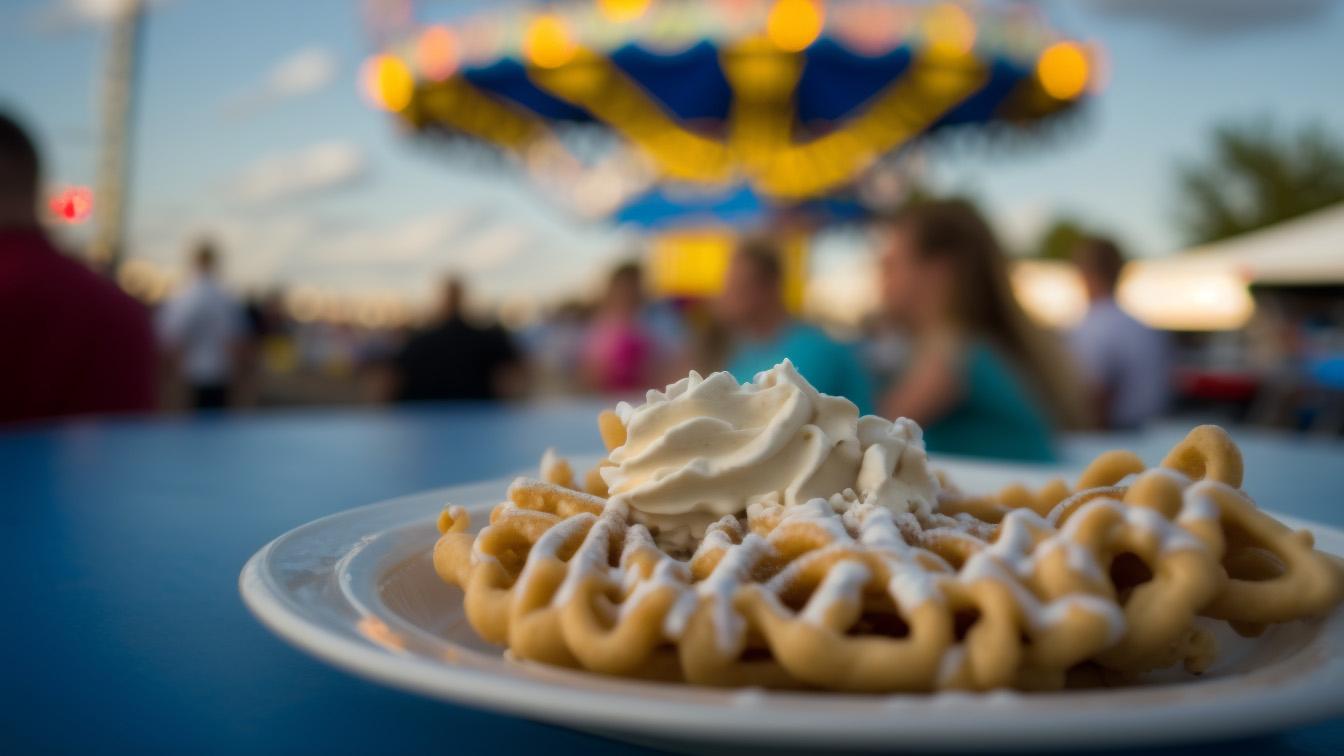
(764, 534)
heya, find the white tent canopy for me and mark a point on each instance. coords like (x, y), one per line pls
(1205, 288)
(1304, 250)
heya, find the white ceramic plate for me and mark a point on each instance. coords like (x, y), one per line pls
(358, 590)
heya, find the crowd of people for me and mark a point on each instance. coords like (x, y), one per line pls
(956, 352)
(973, 369)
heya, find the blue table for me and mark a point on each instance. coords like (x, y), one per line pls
(123, 541)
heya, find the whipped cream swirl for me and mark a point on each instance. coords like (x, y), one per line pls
(709, 447)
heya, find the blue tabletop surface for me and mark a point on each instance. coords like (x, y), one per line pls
(124, 539)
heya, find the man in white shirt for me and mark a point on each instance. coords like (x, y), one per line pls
(201, 329)
(1127, 363)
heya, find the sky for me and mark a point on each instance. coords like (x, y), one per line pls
(250, 129)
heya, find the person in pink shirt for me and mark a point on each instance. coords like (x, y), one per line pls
(619, 353)
(71, 342)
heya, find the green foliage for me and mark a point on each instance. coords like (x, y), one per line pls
(1059, 239)
(1254, 176)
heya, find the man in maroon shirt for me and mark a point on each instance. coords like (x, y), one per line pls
(71, 342)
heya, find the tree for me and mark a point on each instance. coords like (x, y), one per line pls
(1059, 239)
(1256, 176)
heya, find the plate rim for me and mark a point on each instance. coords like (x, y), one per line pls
(1304, 700)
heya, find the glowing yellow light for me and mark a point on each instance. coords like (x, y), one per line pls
(694, 263)
(549, 43)
(949, 30)
(619, 11)
(1050, 292)
(690, 263)
(794, 24)
(1185, 299)
(139, 278)
(436, 53)
(377, 310)
(387, 82)
(1063, 70)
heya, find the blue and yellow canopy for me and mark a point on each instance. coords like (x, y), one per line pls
(794, 99)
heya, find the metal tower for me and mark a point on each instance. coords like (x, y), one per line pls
(117, 111)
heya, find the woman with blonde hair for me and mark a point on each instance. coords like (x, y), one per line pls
(984, 380)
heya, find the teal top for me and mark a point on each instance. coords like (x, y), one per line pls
(996, 417)
(829, 365)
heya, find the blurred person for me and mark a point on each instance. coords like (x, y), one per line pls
(454, 358)
(982, 380)
(275, 330)
(621, 353)
(203, 330)
(707, 339)
(72, 342)
(250, 352)
(763, 333)
(554, 345)
(1127, 364)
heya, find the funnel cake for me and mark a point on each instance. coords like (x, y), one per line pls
(893, 580)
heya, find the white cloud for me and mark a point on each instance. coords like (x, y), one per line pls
(499, 259)
(256, 250)
(409, 241)
(504, 258)
(303, 72)
(493, 248)
(307, 70)
(288, 175)
(65, 15)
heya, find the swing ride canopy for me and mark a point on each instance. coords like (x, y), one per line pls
(789, 100)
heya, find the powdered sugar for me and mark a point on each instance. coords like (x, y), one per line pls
(855, 541)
